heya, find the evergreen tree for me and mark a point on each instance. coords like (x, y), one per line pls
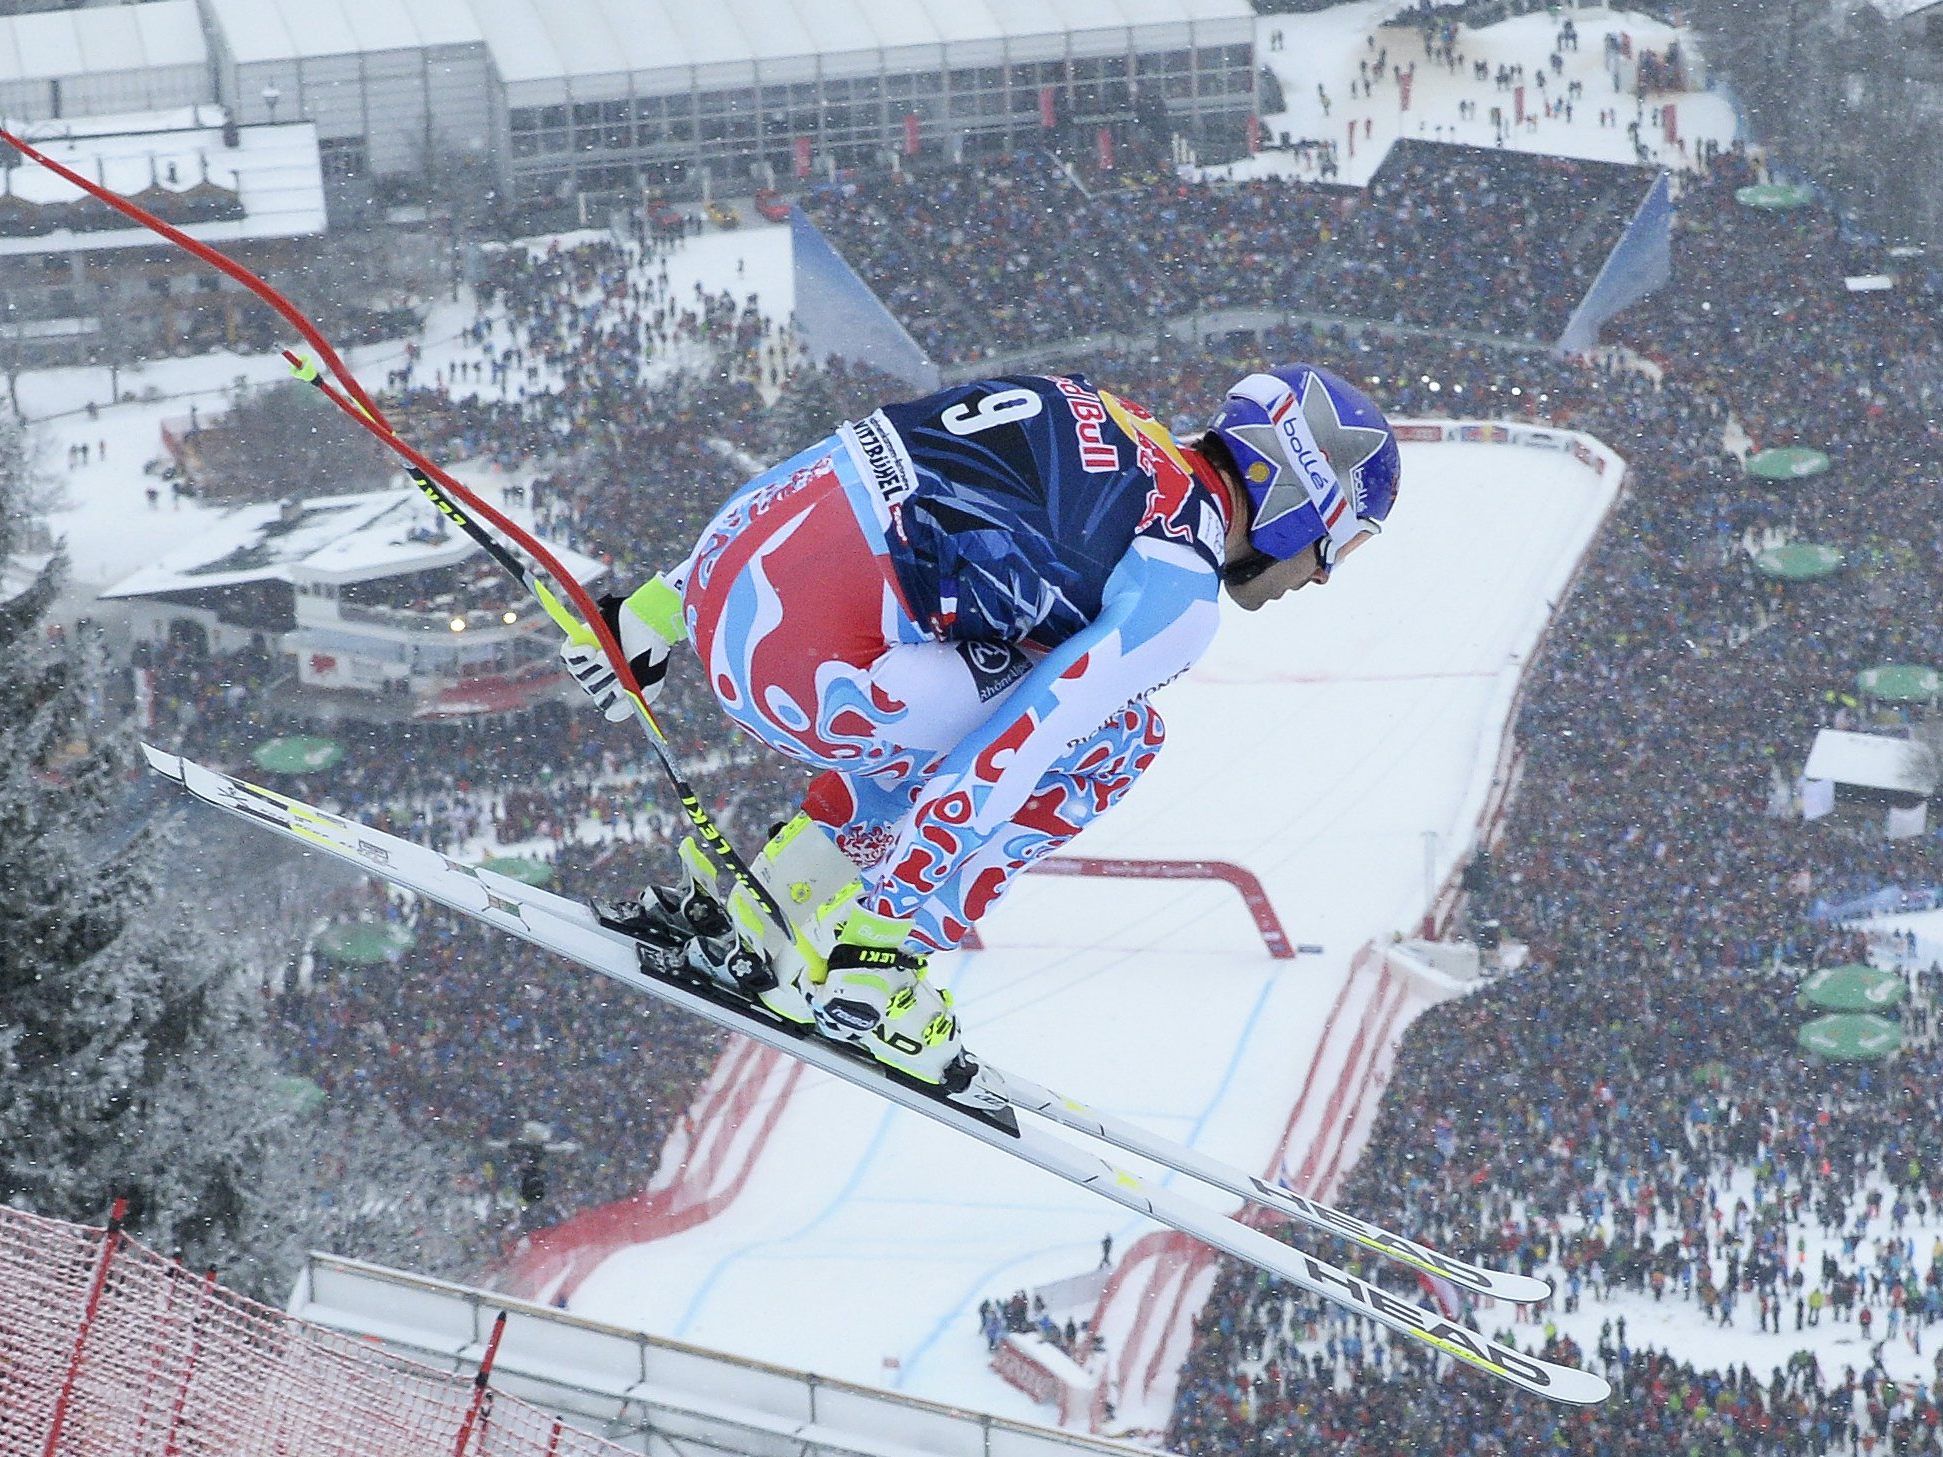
(134, 1055)
(130, 1061)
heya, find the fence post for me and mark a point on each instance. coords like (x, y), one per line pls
(110, 1242)
(170, 1448)
(480, 1392)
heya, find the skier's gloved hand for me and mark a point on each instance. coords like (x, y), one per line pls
(646, 648)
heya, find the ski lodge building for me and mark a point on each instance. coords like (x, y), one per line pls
(372, 592)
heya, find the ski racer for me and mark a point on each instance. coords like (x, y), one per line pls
(956, 609)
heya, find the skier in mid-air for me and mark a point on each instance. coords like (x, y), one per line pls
(956, 609)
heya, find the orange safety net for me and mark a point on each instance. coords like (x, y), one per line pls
(108, 1349)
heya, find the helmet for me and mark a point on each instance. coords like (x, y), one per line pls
(1318, 459)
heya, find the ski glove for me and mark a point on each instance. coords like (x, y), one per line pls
(647, 658)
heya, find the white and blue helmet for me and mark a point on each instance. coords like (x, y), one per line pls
(1318, 460)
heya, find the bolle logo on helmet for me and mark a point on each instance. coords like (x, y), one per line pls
(1310, 460)
(1292, 465)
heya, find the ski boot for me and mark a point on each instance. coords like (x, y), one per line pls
(881, 1005)
(879, 999)
(734, 944)
(686, 932)
(875, 999)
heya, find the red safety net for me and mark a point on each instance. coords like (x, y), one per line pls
(108, 1349)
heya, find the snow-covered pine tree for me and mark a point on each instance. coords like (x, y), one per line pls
(134, 1056)
(131, 1059)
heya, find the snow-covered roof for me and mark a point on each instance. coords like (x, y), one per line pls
(104, 41)
(657, 44)
(1871, 761)
(343, 538)
(20, 571)
(274, 170)
(289, 30)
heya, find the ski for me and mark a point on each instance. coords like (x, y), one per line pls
(569, 928)
(1131, 1138)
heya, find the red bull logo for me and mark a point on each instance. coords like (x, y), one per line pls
(1096, 454)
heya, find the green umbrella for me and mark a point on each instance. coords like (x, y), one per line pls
(1900, 683)
(1775, 196)
(1851, 988)
(1850, 1037)
(365, 943)
(1787, 463)
(514, 867)
(1798, 562)
(303, 754)
(301, 1094)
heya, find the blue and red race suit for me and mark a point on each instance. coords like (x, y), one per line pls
(957, 607)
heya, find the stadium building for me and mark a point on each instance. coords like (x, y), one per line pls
(567, 97)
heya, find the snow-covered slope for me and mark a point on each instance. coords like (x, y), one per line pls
(1321, 743)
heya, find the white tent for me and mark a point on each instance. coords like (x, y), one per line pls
(62, 63)
(1872, 761)
(1894, 775)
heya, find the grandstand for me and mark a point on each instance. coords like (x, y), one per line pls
(1489, 243)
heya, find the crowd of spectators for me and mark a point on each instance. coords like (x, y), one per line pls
(1012, 254)
(1015, 254)
(466, 1032)
(1347, 1406)
(1483, 241)
(1652, 1135)
(1633, 1114)
(1642, 861)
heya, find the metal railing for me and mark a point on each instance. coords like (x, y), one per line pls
(655, 1395)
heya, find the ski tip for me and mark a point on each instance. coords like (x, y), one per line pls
(1576, 1387)
(1518, 1289)
(168, 765)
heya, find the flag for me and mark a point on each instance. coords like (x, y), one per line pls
(1443, 1292)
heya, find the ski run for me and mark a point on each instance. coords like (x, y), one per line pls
(568, 928)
